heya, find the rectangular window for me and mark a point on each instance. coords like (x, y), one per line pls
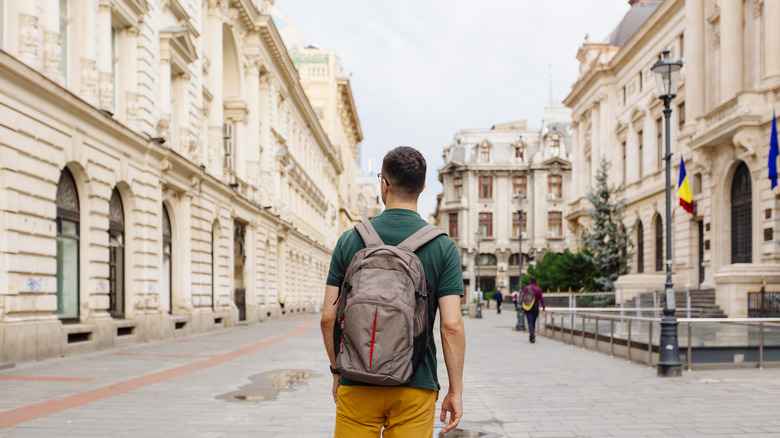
(458, 184)
(555, 223)
(624, 95)
(682, 45)
(518, 152)
(518, 185)
(453, 224)
(641, 152)
(486, 224)
(681, 116)
(555, 186)
(555, 146)
(485, 187)
(623, 145)
(659, 139)
(227, 144)
(640, 81)
(515, 224)
(484, 155)
(67, 269)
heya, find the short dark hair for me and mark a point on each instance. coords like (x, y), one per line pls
(404, 167)
(533, 280)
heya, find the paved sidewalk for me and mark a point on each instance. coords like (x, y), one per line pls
(211, 385)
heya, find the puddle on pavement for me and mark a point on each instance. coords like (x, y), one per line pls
(267, 386)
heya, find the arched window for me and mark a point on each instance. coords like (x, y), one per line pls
(116, 256)
(741, 216)
(166, 294)
(659, 244)
(640, 247)
(513, 259)
(487, 260)
(67, 248)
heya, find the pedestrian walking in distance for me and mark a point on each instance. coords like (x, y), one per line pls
(532, 298)
(499, 301)
(387, 277)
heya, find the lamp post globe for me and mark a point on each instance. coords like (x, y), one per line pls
(519, 200)
(667, 74)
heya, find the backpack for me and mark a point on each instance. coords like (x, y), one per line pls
(385, 309)
(529, 300)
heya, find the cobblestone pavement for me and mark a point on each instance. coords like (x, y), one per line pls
(213, 385)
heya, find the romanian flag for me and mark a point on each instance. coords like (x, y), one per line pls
(684, 189)
(774, 152)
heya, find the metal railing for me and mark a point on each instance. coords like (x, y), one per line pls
(701, 340)
(607, 299)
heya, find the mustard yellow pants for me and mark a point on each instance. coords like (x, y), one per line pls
(363, 411)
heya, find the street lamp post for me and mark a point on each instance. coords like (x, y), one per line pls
(479, 279)
(519, 199)
(667, 74)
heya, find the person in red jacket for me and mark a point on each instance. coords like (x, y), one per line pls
(531, 306)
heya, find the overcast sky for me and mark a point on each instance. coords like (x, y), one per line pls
(421, 70)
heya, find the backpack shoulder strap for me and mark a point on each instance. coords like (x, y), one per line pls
(368, 234)
(421, 237)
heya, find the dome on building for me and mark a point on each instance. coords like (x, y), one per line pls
(640, 11)
(290, 36)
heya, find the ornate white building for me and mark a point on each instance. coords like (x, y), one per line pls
(483, 169)
(722, 117)
(163, 172)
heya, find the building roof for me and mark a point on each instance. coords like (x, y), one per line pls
(640, 11)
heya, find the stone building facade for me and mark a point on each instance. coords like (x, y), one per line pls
(163, 173)
(483, 169)
(330, 94)
(721, 123)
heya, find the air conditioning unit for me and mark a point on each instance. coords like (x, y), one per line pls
(551, 234)
(524, 235)
(551, 196)
(502, 268)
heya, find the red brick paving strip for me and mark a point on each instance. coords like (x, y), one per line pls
(31, 412)
(128, 353)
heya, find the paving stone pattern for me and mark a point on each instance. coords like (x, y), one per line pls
(513, 389)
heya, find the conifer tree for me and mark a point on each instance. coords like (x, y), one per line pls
(607, 243)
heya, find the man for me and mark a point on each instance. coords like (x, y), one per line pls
(533, 313)
(408, 410)
(499, 301)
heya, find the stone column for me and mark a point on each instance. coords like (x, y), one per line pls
(216, 108)
(265, 155)
(252, 144)
(166, 85)
(182, 294)
(105, 61)
(29, 34)
(88, 73)
(52, 41)
(130, 50)
(731, 47)
(695, 82)
(239, 147)
(771, 39)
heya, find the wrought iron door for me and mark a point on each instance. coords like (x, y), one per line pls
(741, 216)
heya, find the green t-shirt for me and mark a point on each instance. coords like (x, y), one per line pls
(440, 261)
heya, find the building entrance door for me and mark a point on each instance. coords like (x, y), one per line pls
(700, 225)
(741, 216)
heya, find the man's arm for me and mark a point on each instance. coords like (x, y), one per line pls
(327, 321)
(453, 340)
